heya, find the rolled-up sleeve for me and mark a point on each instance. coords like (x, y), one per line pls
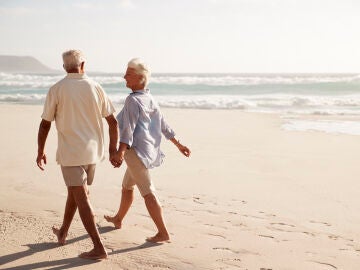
(50, 106)
(128, 119)
(166, 129)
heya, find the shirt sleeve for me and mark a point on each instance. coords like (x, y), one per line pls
(166, 129)
(50, 106)
(107, 107)
(128, 120)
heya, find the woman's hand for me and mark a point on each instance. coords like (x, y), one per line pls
(184, 150)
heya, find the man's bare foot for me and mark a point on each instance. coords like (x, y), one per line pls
(113, 220)
(159, 238)
(94, 255)
(61, 237)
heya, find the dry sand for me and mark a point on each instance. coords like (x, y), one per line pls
(252, 196)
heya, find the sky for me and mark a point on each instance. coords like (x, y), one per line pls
(220, 36)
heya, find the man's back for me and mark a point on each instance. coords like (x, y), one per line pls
(77, 104)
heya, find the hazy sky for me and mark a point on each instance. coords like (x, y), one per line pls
(188, 35)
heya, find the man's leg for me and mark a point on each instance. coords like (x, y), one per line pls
(155, 211)
(70, 210)
(87, 218)
(127, 197)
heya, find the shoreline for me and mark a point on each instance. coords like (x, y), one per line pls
(322, 123)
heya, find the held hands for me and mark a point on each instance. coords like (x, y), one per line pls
(116, 158)
(41, 157)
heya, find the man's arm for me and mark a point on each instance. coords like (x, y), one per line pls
(42, 136)
(114, 136)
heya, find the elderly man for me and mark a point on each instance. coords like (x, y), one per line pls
(78, 104)
(141, 125)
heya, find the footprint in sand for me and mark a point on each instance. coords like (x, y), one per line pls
(266, 236)
(188, 213)
(309, 233)
(208, 212)
(217, 235)
(239, 201)
(266, 214)
(282, 224)
(333, 237)
(282, 227)
(232, 262)
(226, 249)
(241, 251)
(176, 197)
(197, 200)
(250, 216)
(229, 260)
(330, 266)
(320, 223)
(52, 212)
(238, 224)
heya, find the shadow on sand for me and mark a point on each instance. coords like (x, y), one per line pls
(63, 263)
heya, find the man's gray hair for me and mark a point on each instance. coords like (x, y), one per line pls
(140, 68)
(72, 59)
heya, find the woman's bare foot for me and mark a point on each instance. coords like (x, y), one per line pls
(60, 236)
(114, 220)
(159, 238)
(94, 255)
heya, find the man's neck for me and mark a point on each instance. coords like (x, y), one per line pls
(78, 71)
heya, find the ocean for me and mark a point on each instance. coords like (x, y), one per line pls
(291, 95)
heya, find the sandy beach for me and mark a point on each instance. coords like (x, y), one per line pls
(251, 196)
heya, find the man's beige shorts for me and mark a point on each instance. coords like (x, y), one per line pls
(137, 174)
(78, 175)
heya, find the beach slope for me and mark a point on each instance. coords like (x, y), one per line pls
(251, 196)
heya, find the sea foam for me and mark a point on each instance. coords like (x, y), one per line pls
(329, 126)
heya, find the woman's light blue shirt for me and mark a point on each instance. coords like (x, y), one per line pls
(141, 125)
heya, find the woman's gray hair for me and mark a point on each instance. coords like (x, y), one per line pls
(73, 59)
(140, 68)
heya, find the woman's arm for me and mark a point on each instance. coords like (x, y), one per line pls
(182, 148)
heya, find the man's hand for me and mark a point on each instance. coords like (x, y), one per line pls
(184, 150)
(42, 135)
(114, 135)
(41, 157)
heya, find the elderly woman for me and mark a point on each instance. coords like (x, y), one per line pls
(141, 125)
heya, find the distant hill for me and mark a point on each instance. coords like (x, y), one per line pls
(22, 64)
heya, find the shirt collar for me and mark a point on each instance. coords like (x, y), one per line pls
(142, 91)
(76, 75)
